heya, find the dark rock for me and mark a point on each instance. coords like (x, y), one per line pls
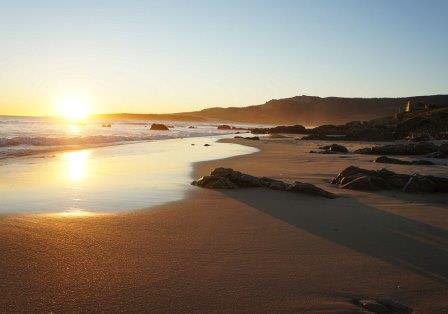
(106, 125)
(419, 184)
(192, 127)
(361, 179)
(382, 306)
(291, 129)
(309, 188)
(224, 127)
(438, 155)
(207, 145)
(335, 148)
(363, 183)
(443, 148)
(388, 160)
(159, 127)
(254, 138)
(227, 178)
(323, 137)
(400, 149)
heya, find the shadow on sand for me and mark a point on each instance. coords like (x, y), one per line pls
(407, 243)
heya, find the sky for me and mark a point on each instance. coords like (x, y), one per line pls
(174, 56)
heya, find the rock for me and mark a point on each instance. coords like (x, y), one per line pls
(361, 179)
(106, 125)
(192, 127)
(443, 148)
(206, 145)
(227, 178)
(273, 184)
(309, 188)
(419, 184)
(363, 183)
(291, 129)
(382, 306)
(388, 160)
(400, 149)
(438, 155)
(254, 138)
(335, 148)
(224, 127)
(214, 182)
(159, 127)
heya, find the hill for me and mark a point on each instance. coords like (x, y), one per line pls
(312, 110)
(304, 110)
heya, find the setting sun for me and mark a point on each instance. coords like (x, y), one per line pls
(74, 108)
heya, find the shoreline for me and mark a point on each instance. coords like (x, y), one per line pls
(240, 250)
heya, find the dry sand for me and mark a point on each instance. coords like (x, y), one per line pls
(250, 250)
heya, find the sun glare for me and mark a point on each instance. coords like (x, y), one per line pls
(74, 108)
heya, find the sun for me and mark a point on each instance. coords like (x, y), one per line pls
(74, 108)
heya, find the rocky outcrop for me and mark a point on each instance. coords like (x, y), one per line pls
(368, 180)
(388, 160)
(159, 127)
(253, 138)
(227, 178)
(224, 127)
(291, 129)
(422, 148)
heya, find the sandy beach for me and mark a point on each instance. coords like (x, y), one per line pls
(245, 250)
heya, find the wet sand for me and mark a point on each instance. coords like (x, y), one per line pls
(248, 250)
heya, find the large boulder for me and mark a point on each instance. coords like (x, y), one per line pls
(159, 127)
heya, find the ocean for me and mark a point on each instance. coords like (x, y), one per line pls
(21, 136)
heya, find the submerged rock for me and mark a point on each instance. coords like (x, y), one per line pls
(227, 178)
(368, 180)
(159, 127)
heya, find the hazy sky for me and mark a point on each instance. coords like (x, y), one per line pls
(169, 56)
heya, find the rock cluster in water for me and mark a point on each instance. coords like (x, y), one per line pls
(355, 178)
(389, 160)
(227, 178)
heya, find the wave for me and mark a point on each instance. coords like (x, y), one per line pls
(64, 141)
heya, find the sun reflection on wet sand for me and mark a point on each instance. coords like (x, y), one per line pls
(76, 213)
(77, 165)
